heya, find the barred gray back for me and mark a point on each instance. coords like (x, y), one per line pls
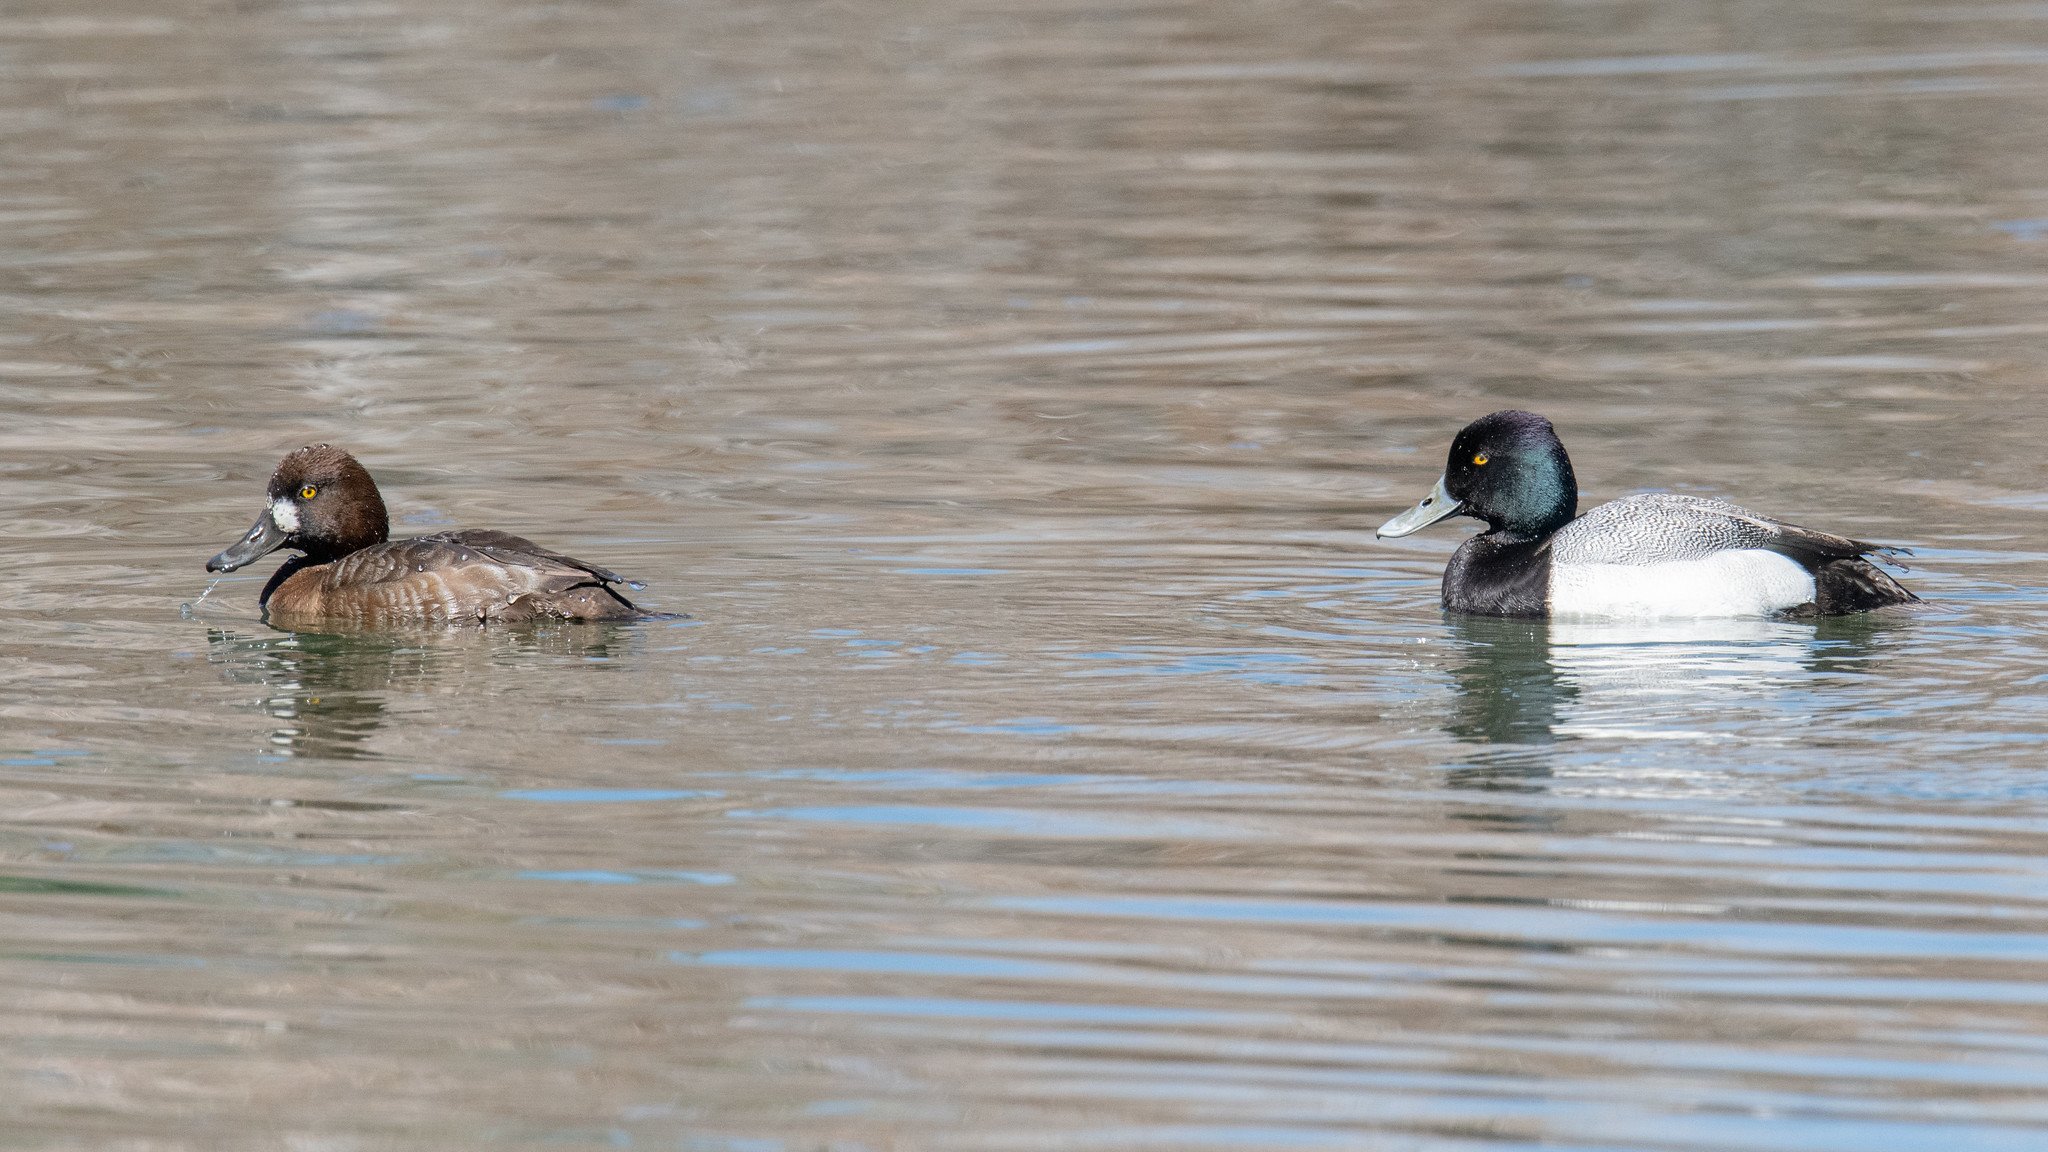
(1659, 527)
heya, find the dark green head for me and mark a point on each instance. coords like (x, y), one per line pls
(1508, 469)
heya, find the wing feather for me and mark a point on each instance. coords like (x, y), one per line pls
(1658, 527)
(475, 574)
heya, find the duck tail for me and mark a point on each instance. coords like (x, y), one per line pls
(1853, 584)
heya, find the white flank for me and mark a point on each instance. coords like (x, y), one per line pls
(285, 515)
(1739, 582)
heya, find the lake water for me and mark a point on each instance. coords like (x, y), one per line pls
(1051, 759)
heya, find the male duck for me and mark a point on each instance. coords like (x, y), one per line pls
(324, 504)
(1641, 556)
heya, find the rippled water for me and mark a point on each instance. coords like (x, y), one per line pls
(1052, 758)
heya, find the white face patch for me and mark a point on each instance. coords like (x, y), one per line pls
(284, 514)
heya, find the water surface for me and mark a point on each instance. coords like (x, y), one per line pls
(1051, 757)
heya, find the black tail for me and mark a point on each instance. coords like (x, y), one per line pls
(1854, 584)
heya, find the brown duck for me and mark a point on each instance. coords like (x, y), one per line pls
(324, 504)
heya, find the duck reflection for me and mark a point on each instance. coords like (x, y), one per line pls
(329, 693)
(1510, 700)
(1508, 690)
(1523, 686)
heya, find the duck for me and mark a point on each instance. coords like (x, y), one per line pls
(1647, 556)
(323, 503)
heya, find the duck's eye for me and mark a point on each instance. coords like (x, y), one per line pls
(308, 492)
(1481, 459)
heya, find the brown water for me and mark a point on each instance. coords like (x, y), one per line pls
(1053, 759)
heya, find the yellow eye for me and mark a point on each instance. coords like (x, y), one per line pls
(1480, 459)
(308, 492)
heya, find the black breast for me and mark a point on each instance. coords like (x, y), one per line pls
(1494, 575)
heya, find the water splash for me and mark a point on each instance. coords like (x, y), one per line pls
(191, 608)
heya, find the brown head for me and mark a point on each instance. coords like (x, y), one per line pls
(321, 502)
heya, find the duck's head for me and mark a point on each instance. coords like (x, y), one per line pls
(1508, 469)
(321, 502)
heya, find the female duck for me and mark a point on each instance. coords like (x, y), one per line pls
(324, 504)
(1640, 556)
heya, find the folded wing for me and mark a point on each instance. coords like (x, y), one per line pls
(479, 574)
(1660, 527)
